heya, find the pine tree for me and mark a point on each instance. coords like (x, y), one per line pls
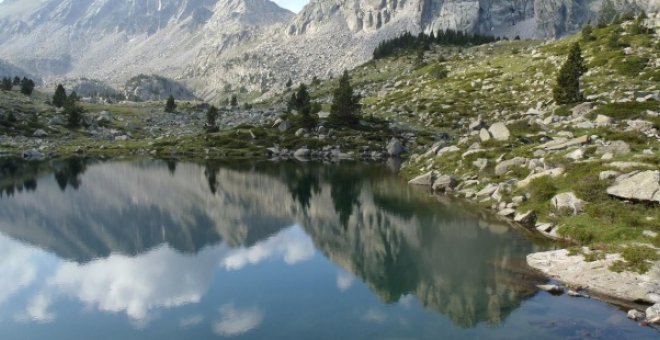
(6, 84)
(17, 80)
(73, 112)
(170, 105)
(234, 101)
(211, 118)
(346, 106)
(587, 33)
(289, 83)
(74, 97)
(567, 89)
(27, 86)
(59, 98)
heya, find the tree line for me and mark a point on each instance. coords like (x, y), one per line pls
(26, 85)
(423, 41)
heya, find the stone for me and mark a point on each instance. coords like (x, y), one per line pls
(302, 153)
(616, 147)
(504, 166)
(476, 125)
(104, 117)
(576, 155)
(299, 132)
(444, 183)
(40, 133)
(506, 212)
(649, 233)
(561, 144)
(609, 174)
(653, 312)
(283, 125)
(607, 156)
(573, 293)
(488, 190)
(448, 149)
(582, 109)
(603, 120)
(627, 165)
(480, 163)
(568, 200)
(527, 219)
(484, 135)
(56, 121)
(426, 179)
(550, 288)
(638, 186)
(122, 138)
(636, 315)
(499, 131)
(394, 147)
(32, 155)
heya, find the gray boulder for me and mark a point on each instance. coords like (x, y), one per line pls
(500, 132)
(40, 133)
(638, 186)
(444, 183)
(33, 155)
(568, 200)
(484, 135)
(394, 147)
(504, 166)
(302, 153)
(426, 179)
(527, 220)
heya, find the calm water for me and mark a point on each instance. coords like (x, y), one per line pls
(160, 250)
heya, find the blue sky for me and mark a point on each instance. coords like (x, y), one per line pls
(293, 5)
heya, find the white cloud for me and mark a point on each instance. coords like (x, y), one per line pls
(37, 309)
(235, 321)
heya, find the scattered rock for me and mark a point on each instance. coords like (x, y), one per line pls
(506, 212)
(576, 155)
(426, 179)
(609, 174)
(33, 155)
(444, 183)
(394, 147)
(302, 153)
(639, 186)
(40, 133)
(504, 166)
(299, 132)
(616, 147)
(484, 135)
(653, 312)
(602, 120)
(556, 172)
(636, 315)
(568, 200)
(561, 144)
(481, 163)
(552, 289)
(500, 132)
(527, 220)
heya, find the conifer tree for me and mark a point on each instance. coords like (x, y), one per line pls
(587, 33)
(170, 105)
(234, 101)
(6, 84)
(211, 118)
(17, 80)
(346, 106)
(27, 86)
(59, 98)
(567, 89)
(72, 111)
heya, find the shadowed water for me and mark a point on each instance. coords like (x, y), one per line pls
(159, 249)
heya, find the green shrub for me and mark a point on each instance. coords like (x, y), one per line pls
(636, 259)
(542, 189)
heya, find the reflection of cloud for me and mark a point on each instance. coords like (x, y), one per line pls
(16, 266)
(159, 278)
(407, 300)
(292, 244)
(235, 321)
(191, 321)
(344, 281)
(374, 315)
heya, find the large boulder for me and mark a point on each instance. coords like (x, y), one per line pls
(484, 135)
(444, 183)
(504, 166)
(426, 179)
(302, 153)
(638, 186)
(568, 200)
(394, 147)
(500, 132)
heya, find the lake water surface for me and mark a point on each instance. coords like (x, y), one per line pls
(166, 250)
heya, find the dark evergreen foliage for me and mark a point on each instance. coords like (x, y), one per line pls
(6, 84)
(423, 42)
(17, 80)
(59, 98)
(567, 89)
(170, 105)
(234, 101)
(346, 106)
(211, 118)
(302, 103)
(27, 86)
(73, 111)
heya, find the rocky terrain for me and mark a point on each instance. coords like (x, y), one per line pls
(487, 130)
(219, 47)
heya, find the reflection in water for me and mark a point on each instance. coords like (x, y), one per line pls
(144, 236)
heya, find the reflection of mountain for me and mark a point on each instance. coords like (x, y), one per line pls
(395, 238)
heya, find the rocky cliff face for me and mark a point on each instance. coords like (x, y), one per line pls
(212, 45)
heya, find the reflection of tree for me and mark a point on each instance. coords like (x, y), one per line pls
(345, 190)
(211, 172)
(303, 182)
(69, 173)
(171, 165)
(16, 176)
